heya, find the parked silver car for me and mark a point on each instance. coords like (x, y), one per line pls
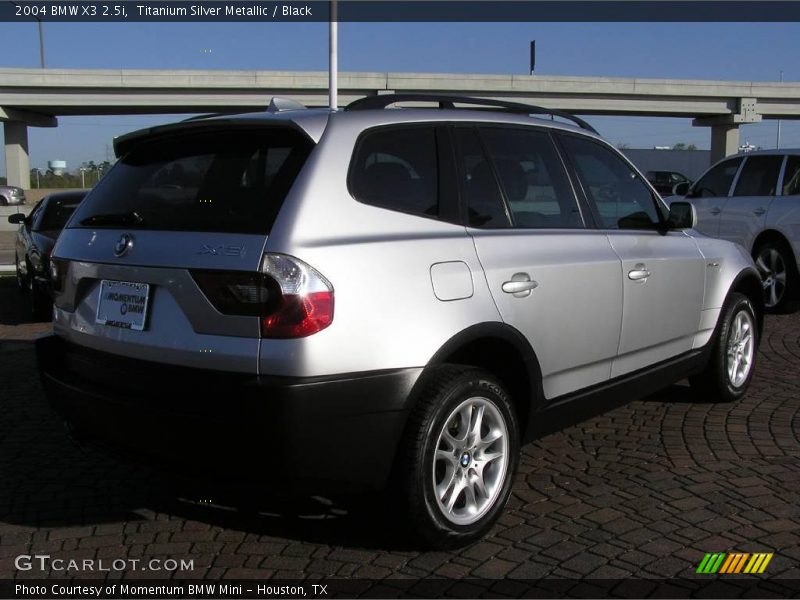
(753, 199)
(370, 296)
(11, 195)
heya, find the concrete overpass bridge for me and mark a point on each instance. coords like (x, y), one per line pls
(36, 97)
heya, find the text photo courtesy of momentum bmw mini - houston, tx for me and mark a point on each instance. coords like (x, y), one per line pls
(400, 299)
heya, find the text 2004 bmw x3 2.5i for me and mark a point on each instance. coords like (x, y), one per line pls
(375, 296)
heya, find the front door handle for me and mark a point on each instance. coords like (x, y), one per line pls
(759, 211)
(520, 285)
(639, 273)
(716, 210)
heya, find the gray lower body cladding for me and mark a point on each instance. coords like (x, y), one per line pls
(316, 433)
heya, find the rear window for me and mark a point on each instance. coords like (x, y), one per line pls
(397, 168)
(224, 181)
(57, 212)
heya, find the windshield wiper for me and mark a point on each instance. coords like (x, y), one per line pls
(131, 218)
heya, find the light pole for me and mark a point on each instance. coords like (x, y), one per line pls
(83, 181)
(333, 59)
(41, 42)
(778, 140)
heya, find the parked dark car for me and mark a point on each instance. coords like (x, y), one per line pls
(665, 181)
(35, 240)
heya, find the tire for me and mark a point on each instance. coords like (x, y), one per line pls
(22, 285)
(779, 274)
(454, 484)
(733, 356)
(39, 303)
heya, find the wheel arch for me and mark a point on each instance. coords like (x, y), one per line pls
(748, 282)
(776, 236)
(504, 352)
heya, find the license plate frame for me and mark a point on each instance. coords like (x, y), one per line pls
(129, 312)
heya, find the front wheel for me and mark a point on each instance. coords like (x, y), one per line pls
(733, 357)
(22, 286)
(462, 449)
(39, 303)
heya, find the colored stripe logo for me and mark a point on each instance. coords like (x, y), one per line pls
(734, 562)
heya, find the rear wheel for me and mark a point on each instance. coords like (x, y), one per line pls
(779, 275)
(733, 357)
(462, 449)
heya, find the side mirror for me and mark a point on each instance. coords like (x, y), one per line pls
(681, 189)
(16, 219)
(682, 215)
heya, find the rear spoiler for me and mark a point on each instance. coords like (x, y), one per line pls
(123, 144)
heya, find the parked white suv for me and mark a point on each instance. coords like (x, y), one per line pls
(753, 199)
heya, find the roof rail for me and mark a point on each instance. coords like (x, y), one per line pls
(384, 100)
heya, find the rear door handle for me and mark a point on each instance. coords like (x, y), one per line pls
(639, 273)
(520, 285)
(759, 211)
(716, 210)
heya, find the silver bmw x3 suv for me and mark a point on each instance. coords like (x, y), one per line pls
(382, 296)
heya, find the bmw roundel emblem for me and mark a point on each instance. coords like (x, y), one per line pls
(124, 244)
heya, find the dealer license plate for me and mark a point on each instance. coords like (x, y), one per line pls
(123, 304)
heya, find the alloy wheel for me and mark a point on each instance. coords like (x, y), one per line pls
(470, 461)
(741, 348)
(772, 267)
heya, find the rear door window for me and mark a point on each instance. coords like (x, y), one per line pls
(397, 168)
(485, 205)
(532, 178)
(759, 176)
(229, 181)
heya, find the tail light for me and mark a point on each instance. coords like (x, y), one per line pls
(291, 298)
(306, 305)
(239, 292)
(58, 273)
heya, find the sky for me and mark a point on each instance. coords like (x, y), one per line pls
(722, 51)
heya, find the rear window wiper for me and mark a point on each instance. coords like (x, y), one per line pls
(131, 218)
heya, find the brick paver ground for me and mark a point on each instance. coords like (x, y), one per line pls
(643, 491)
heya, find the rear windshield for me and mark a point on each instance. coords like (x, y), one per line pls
(58, 212)
(231, 181)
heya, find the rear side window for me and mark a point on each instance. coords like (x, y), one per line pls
(397, 168)
(231, 181)
(759, 176)
(717, 182)
(791, 177)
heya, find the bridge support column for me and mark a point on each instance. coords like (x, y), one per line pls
(18, 171)
(724, 141)
(725, 128)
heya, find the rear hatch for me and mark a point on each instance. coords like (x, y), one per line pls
(161, 261)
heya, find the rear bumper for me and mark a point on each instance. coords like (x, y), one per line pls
(318, 433)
